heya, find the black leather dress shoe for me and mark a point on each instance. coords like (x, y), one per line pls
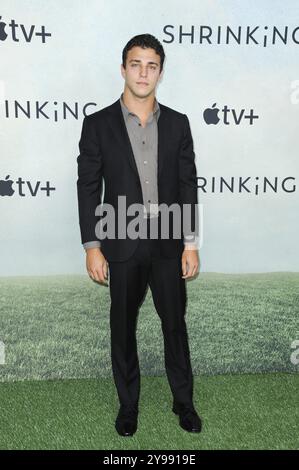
(126, 421)
(188, 417)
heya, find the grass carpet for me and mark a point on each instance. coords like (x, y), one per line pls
(57, 327)
(258, 411)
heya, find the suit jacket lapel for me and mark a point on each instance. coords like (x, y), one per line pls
(118, 124)
(162, 137)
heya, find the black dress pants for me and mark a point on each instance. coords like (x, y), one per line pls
(128, 284)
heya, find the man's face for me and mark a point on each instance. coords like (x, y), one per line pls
(142, 71)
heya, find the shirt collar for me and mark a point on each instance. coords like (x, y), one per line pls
(127, 112)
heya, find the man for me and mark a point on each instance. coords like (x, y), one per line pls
(143, 150)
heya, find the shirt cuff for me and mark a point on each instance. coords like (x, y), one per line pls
(93, 244)
(191, 242)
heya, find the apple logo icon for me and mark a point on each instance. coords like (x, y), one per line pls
(5, 187)
(210, 115)
(3, 34)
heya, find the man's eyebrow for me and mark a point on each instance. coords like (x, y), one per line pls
(138, 60)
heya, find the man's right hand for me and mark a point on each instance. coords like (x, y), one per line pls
(97, 265)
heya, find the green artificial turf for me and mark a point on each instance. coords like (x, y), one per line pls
(57, 327)
(238, 411)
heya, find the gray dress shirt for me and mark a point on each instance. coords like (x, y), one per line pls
(144, 142)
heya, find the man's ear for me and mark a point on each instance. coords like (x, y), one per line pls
(122, 71)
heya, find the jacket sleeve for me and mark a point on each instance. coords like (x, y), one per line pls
(89, 182)
(188, 187)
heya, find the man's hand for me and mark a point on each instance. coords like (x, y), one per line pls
(190, 262)
(96, 265)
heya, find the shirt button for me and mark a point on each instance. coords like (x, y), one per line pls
(146, 181)
(143, 142)
(145, 162)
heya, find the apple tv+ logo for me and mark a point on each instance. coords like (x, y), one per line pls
(229, 116)
(24, 188)
(18, 32)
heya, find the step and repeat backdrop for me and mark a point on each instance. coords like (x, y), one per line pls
(233, 68)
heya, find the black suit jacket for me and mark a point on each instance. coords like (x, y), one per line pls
(106, 153)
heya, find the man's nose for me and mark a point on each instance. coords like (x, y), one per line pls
(143, 71)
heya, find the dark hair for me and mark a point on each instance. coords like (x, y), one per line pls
(144, 41)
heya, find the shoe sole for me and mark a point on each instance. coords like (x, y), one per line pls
(129, 434)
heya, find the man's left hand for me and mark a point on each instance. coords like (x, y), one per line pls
(190, 262)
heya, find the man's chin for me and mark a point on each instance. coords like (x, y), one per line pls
(142, 93)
